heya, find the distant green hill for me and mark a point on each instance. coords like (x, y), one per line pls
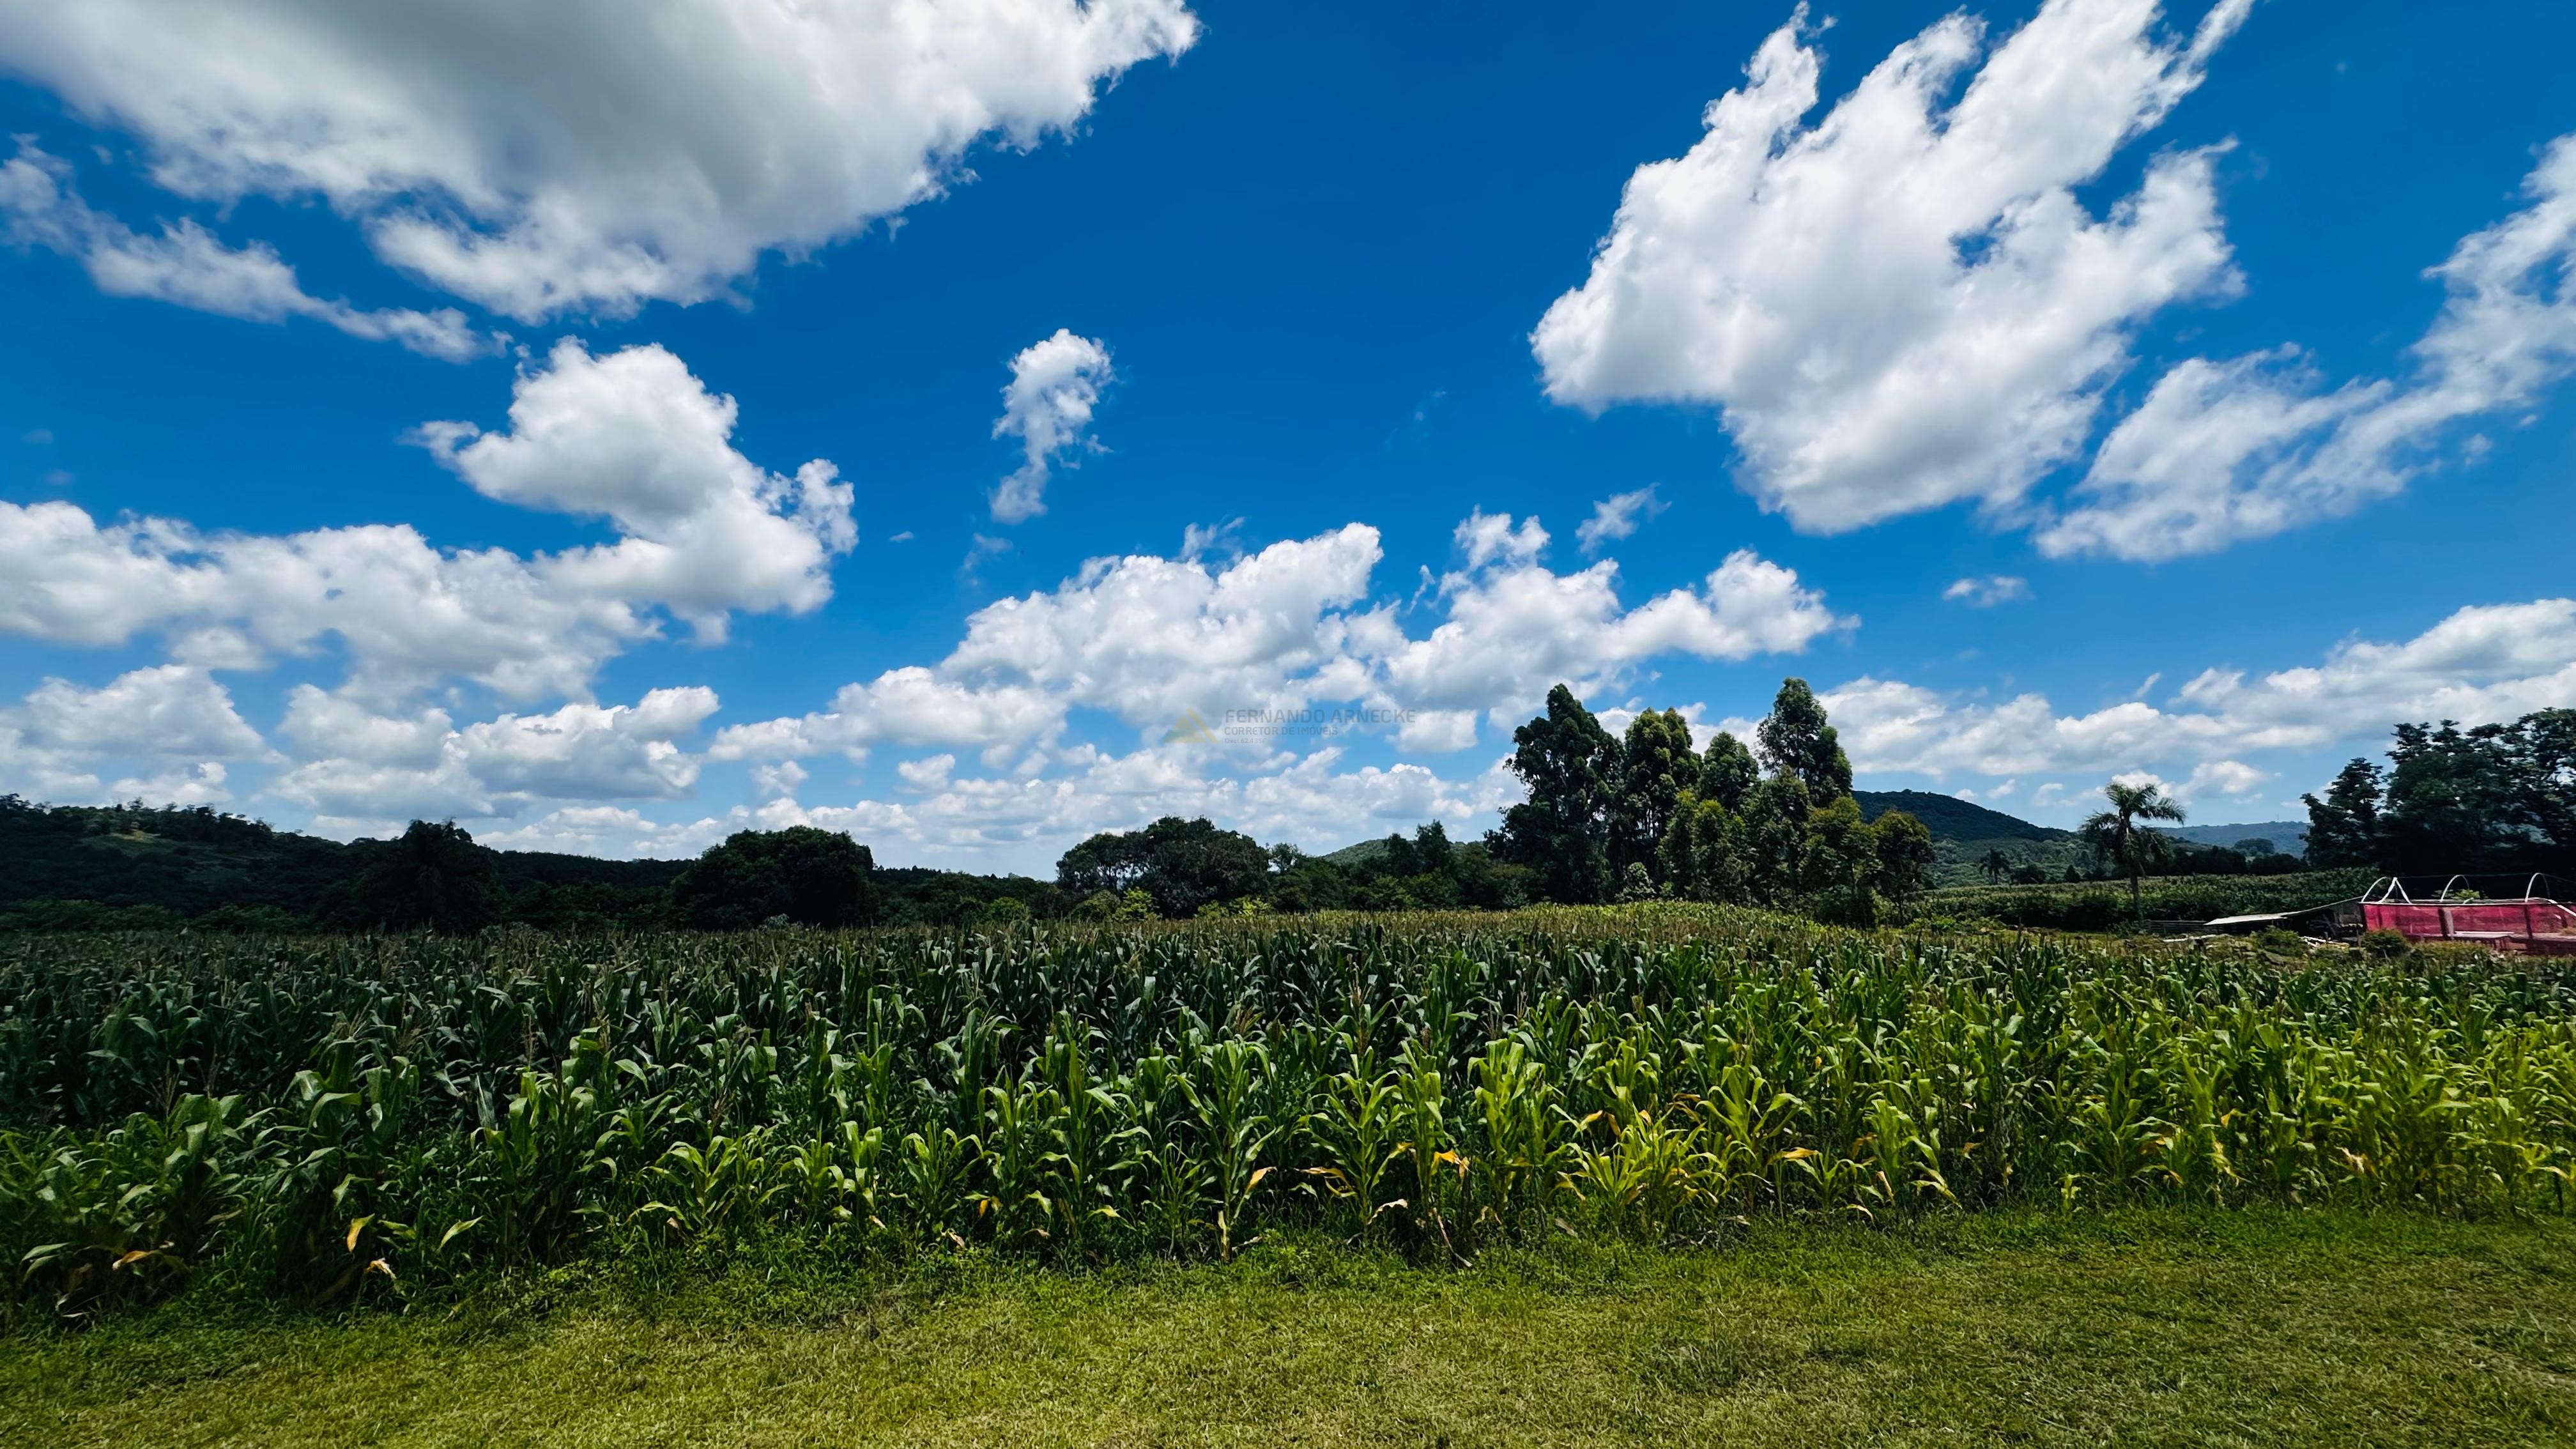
(118, 866)
(1950, 818)
(198, 864)
(1363, 851)
(2290, 837)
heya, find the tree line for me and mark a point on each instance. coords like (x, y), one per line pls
(143, 867)
(2493, 798)
(1642, 815)
(1645, 814)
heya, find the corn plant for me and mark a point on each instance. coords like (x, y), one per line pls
(352, 1118)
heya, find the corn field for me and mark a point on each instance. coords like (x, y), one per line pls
(332, 1120)
(2104, 905)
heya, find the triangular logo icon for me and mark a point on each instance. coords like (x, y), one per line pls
(1189, 729)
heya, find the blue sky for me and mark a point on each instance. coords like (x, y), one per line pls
(2067, 391)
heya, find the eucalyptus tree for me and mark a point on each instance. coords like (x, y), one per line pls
(1727, 772)
(1655, 768)
(1569, 764)
(1797, 740)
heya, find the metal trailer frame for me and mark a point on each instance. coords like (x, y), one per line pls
(2537, 920)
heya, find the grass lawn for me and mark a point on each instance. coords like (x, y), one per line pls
(2156, 1327)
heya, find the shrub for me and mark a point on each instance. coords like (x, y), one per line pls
(2280, 942)
(1000, 911)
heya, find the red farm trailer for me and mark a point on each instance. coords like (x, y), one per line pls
(2538, 920)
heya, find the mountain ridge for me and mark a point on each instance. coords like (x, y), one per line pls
(1950, 818)
(2290, 837)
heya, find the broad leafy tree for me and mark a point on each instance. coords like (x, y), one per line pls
(2454, 800)
(433, 878)
(1429, 852)
(1181, 864)
(2343, 828)
(801, 874)
(1906, 854)
(1838, 864)
(1711, 826)
(2544, 747)
(2493, 797)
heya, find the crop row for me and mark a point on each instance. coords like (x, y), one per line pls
(2104, 905)
(343, 1117)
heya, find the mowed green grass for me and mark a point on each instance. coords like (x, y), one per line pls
(2164, 1327)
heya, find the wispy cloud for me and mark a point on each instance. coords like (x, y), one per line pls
(1985, 593)
(1616, 517)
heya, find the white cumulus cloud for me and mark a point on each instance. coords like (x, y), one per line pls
(1316, 800)
(1903, 304)
(986, 767)
(635, 438)
(905, 706)
(361, 767)
(169, 710)
(175, 717)
(1514, 627)
(2225, 451)
(631, 437)
(614, 830)
(584, 154)
(1144, 639)
(198, 784)
(1055, 384)
(2232, 778)
(2483, 663)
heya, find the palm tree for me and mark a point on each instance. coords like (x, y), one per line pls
(1995, 865)
(2116, 836)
